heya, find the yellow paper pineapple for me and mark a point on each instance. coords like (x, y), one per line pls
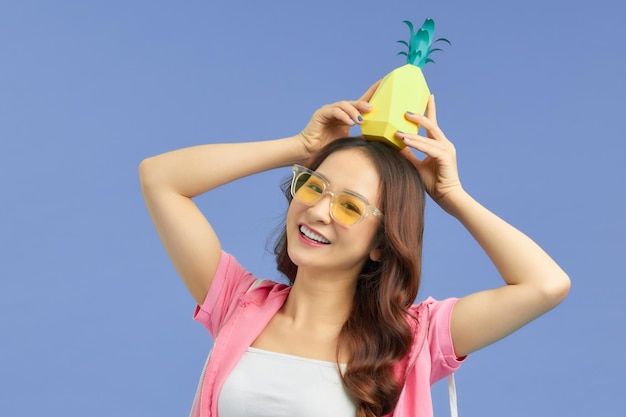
(403, 89)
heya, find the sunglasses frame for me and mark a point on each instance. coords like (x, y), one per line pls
(298, 170)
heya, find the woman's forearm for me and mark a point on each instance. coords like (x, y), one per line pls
(518, 258)
(195, 170)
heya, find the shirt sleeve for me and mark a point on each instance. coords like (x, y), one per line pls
(443, 360)
(229, 284)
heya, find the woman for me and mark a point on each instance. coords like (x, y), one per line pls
(344, 337)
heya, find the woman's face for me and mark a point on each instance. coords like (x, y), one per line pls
(315, 240)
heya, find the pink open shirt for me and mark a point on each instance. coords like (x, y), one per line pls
(234, 314)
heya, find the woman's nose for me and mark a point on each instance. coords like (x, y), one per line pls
(320, 211)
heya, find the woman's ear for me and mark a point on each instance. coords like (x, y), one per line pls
(375, 254)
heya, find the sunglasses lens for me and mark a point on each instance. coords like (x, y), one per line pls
(308, 188)
(348, 209)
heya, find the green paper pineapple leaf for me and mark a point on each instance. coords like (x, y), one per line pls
(420, 44)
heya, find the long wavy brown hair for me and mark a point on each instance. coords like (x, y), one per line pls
(377, 335)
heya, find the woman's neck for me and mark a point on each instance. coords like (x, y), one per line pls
(318, 299)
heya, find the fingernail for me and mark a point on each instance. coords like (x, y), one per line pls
(368, 106)
(405, 139)
(360, 119)
(400, 132)
(410, 112)
(351, 121)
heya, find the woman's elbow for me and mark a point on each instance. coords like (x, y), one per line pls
(147, 172)
(557, 289)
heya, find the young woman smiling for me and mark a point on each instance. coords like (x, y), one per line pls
(344, 338)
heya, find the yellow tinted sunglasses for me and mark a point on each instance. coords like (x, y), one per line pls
(346, 207)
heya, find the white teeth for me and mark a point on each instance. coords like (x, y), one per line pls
(311, 235)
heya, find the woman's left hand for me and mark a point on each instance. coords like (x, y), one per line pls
(438, 170)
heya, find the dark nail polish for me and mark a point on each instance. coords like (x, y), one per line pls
(360, 119)
(410, 112)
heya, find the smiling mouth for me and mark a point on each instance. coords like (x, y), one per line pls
(311, 235)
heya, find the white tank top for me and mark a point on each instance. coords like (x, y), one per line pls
(270, 384)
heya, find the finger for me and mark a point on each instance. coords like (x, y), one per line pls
(431, 114)
(431, 109)
(425, 146)
(346, 114)
(421, 120)
(370, 91)
(434, 149)
(362, 106)
(351, 109)
(431, 126)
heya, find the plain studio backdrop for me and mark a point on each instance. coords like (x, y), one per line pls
(93, 318)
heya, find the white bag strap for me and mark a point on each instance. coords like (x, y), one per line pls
(255, 284)
(454, 412)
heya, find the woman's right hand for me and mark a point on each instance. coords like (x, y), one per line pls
(333, 121)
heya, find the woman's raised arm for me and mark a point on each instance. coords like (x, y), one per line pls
(534, 282)
(170, 181)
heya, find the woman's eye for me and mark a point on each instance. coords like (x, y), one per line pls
(352, 207)
(316, 187)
